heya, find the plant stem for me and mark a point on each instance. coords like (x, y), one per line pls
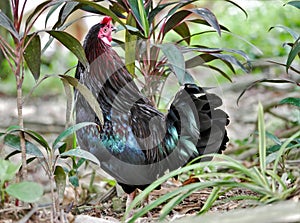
(19, 79)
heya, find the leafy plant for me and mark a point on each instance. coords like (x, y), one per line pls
(25, 191)
(148, 53)
(295, 46)
(48, 159)
(265, 180)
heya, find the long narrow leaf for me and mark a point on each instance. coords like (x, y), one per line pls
(184, 31)
(294, 34)
(175, 20)
(237, 5)
(64, 13)
(32, 54)
(176, 62)
(157, 10)
(210, 200)
(294, 3)
(262, 147)
(38, 138)
(51, 11)
(292, 54)
(283, 148)
(13, 141)
(71, 43)
(209, 17)
(173, 202)
(69, 131)
(6, 23)
(81, 154)
(130, 46)
(101, 9)
(291, 101)
(87, 94)
(39, 8)
(275, 81)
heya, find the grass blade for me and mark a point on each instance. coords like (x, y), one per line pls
(262, 139)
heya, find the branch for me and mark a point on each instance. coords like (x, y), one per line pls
(4, 51)
(22, 13)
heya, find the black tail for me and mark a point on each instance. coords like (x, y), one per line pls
(200, 123)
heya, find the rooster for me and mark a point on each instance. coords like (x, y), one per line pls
(137, 143)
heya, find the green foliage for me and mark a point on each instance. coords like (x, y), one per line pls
(267, 180)
(295, 46)
(8, 171)
(32, 54)
(25, 191)
(291, 101)
(250, 33)
(71, 43)
(154, 57)
(29, 191)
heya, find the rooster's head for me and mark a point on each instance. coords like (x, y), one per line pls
(105, 30)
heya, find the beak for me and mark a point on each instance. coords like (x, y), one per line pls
(114, 29)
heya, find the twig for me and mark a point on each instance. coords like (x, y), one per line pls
(28, 215)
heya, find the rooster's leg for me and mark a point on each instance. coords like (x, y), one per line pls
(130, 198)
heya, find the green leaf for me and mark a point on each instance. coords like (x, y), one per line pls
(200, 60)
(262, 147)
(38, 9)
(282, 149)
(130, 46)
(64, 13)
(38, 138)
(209, 17)
(60, 181)
(292, 54)
(86, 93)
(176, 62)
(6, 23)
(26, 191)
(230, 59)
(276, 81)
(243, 10)
(179, 5)
(81, 154)
(69, 131)
(99, 8)
(157, 10)
(220, 71)
(32, 54)
(204, 22)
(139, 12)
(51, 11)
(8, 170)
(71, 43)
(13, 141)
(274, 138)
(294, 34)
(175, 20)
(214, 195)
(294, 3)
(184, 31)
(74, 180)
(291, 101)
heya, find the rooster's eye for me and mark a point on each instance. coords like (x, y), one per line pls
(105, 29)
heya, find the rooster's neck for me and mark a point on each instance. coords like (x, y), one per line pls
(108, 78)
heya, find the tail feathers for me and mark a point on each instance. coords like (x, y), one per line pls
(199, 119)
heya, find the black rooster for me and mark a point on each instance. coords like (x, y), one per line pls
(137, 143)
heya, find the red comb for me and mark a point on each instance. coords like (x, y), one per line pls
(106, 20)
